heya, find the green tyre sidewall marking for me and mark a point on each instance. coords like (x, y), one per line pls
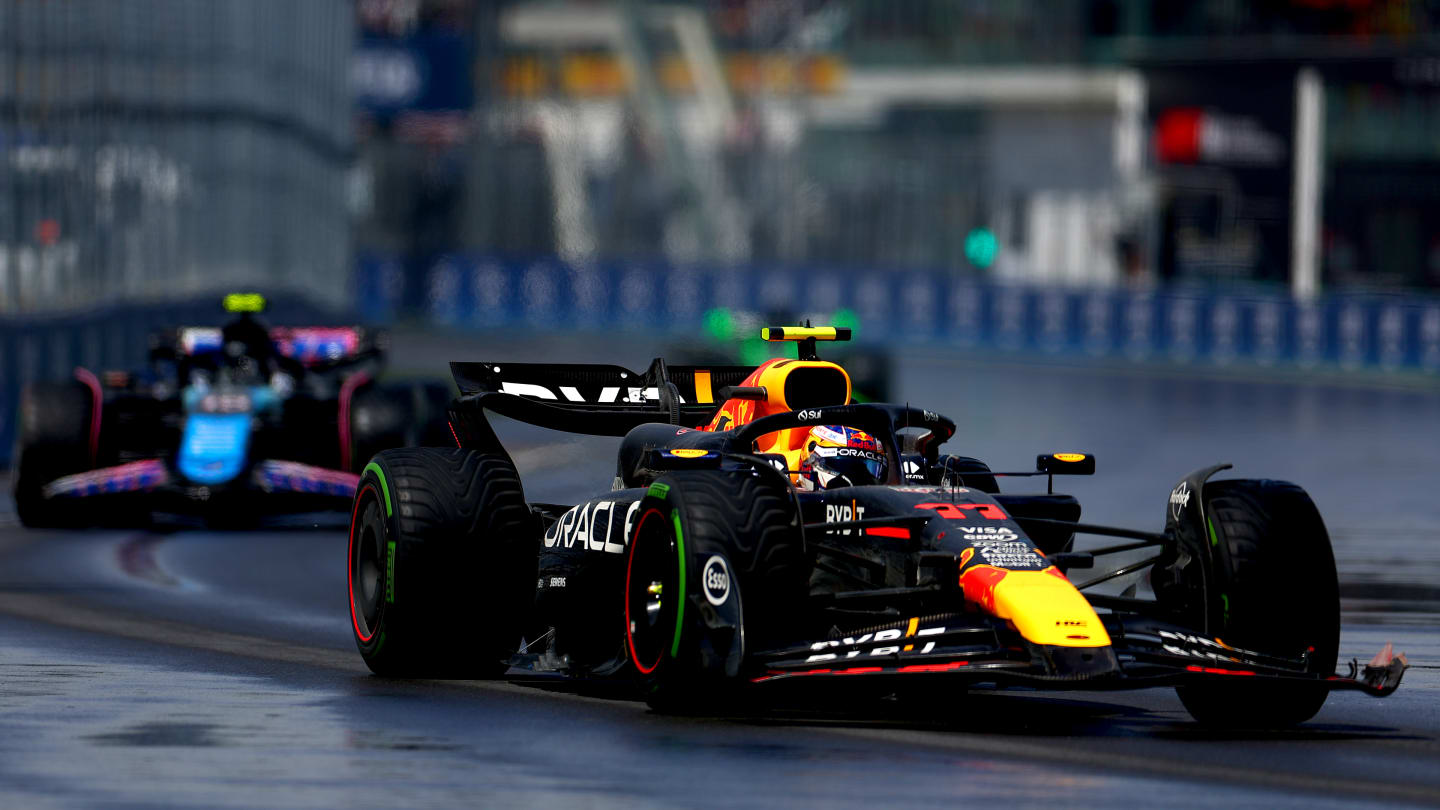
(390, 572)
(374, 467)
(680, 561)
(384, 485)
(1224, 597)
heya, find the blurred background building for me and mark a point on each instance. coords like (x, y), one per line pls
(159, 148)
(1210, 179)
(1081, 141)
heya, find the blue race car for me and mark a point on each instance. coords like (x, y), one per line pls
(226, 422)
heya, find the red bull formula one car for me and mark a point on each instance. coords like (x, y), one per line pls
(761, 530)
(227, 422)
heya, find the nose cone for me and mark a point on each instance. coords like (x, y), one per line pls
(213, 448)
(1043, 605)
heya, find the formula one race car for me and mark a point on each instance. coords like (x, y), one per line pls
(763, 531)
(222, 417)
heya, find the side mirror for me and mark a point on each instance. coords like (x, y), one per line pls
(1065, 463)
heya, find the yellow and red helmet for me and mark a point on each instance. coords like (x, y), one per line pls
(841, 456)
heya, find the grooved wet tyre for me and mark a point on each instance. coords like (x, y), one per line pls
(53, 441)
(442, 563)
(1275, 591)
(716, 563)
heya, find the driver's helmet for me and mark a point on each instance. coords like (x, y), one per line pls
(840, 456)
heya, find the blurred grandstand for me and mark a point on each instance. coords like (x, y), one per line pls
(1210, 180)
(784, 133)
(1081, 141)
(1176, 180)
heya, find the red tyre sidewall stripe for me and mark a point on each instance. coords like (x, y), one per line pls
(350, 564)
(347, 393)
(629, 567)
(97, 409)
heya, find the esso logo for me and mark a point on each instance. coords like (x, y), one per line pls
(715, 581)
(809, 414)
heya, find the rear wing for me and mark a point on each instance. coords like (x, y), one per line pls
(596, 399)
(311, 346)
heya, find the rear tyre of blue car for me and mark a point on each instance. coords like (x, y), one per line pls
(53, 441)
(442, 563)
(399, 414)
(716, 565)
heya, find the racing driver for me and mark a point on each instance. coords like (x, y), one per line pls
(840, 456)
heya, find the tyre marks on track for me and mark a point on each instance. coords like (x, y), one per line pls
(136, 557)
(64, 613)
(1094, 757)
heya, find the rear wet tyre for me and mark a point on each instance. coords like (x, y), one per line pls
(442, 563)
(53, 441)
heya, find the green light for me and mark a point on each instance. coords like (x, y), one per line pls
(719, 323)
(981, 246)
(753, 352)
(846, 319)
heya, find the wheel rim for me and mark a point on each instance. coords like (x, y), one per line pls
(367, 564)
(652, 591)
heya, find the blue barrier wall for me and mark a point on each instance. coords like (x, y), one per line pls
(1350, 331)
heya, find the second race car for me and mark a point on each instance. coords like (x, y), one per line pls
(226, 422)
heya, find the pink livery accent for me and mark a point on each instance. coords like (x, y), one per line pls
(292, 476)
(347, 393)
(315, 344)
(136, 476)
(97, 409)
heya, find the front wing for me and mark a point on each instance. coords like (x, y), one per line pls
(295, 486)
(1145, 653)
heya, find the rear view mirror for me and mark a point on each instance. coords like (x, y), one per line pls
(1065, 463)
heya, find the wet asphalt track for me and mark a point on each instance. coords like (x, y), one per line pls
(205, 669)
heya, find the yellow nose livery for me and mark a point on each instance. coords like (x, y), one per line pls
(1042, 605)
